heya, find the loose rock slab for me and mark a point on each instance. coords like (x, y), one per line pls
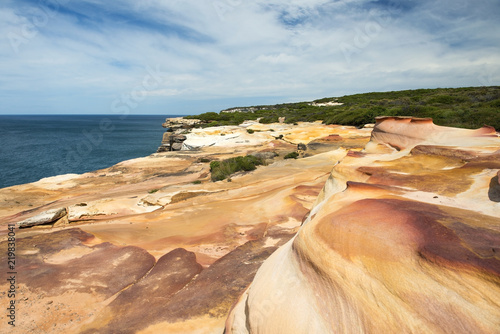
(46, 217)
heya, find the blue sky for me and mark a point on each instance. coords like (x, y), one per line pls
(193, 56)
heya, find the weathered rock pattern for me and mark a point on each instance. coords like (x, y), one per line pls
(46, 217)
(404, 132)
(401, 240)
(402, 236)
(174, 123)
(151, 245)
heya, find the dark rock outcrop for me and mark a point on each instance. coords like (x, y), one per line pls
(171, 142)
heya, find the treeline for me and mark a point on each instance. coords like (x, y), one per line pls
(470, 107)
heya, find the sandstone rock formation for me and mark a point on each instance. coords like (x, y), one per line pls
(46, 217)
(174, 137)
(152, 245)
(405, 132)
(398, 232)
(403, 240)
(175, 123)
(171, 142)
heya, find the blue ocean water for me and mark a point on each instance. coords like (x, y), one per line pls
(37, 146)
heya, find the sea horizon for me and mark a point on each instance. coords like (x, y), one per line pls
(123, 116)
(36, 146)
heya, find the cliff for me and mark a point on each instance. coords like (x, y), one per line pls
(403, 238)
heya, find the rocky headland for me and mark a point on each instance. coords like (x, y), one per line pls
(392, 228)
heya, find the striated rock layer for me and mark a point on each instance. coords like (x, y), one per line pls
(151, 245)
(403, 238)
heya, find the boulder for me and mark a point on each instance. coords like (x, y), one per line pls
(46, 217)
(179, 138)
(163, 148)
(171, 142)
(176, 146)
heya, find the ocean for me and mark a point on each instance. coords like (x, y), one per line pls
(33, 147)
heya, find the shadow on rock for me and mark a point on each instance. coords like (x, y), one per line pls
(494, 191)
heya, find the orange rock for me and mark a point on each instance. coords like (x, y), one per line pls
(150, 250)
(397, 242)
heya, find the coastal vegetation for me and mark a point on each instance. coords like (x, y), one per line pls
(469, 107)
(220, 170)
(292, 155)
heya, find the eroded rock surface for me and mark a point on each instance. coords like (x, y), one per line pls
(401, 240)
(151, 245)
(401, 236)
(46, 217)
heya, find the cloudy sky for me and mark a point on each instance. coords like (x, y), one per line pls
(192, 56)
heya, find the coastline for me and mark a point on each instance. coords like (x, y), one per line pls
(166, 201)
(38, 146)
(161, 219)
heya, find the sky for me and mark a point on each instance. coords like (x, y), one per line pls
(193, 56)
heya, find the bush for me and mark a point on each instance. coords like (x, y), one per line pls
(250, 131)
(197, 182)
(292, 155)
(495, 103)
(269, 119)
(220, 170)
(442, 99)
(445, 105)
(152, 191)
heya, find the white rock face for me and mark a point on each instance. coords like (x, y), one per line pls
(326, 104)
(223, 136)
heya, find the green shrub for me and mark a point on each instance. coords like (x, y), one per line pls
(214, 165)
(443, 99)
(495, 103)
(250, 131)
(220, 170)
(197, 182)
(204, 160)
(292, 155)
(152, 191)
(269, 119)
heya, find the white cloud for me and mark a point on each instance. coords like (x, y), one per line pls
(160, 92)
(89, 52)
(280, 58)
